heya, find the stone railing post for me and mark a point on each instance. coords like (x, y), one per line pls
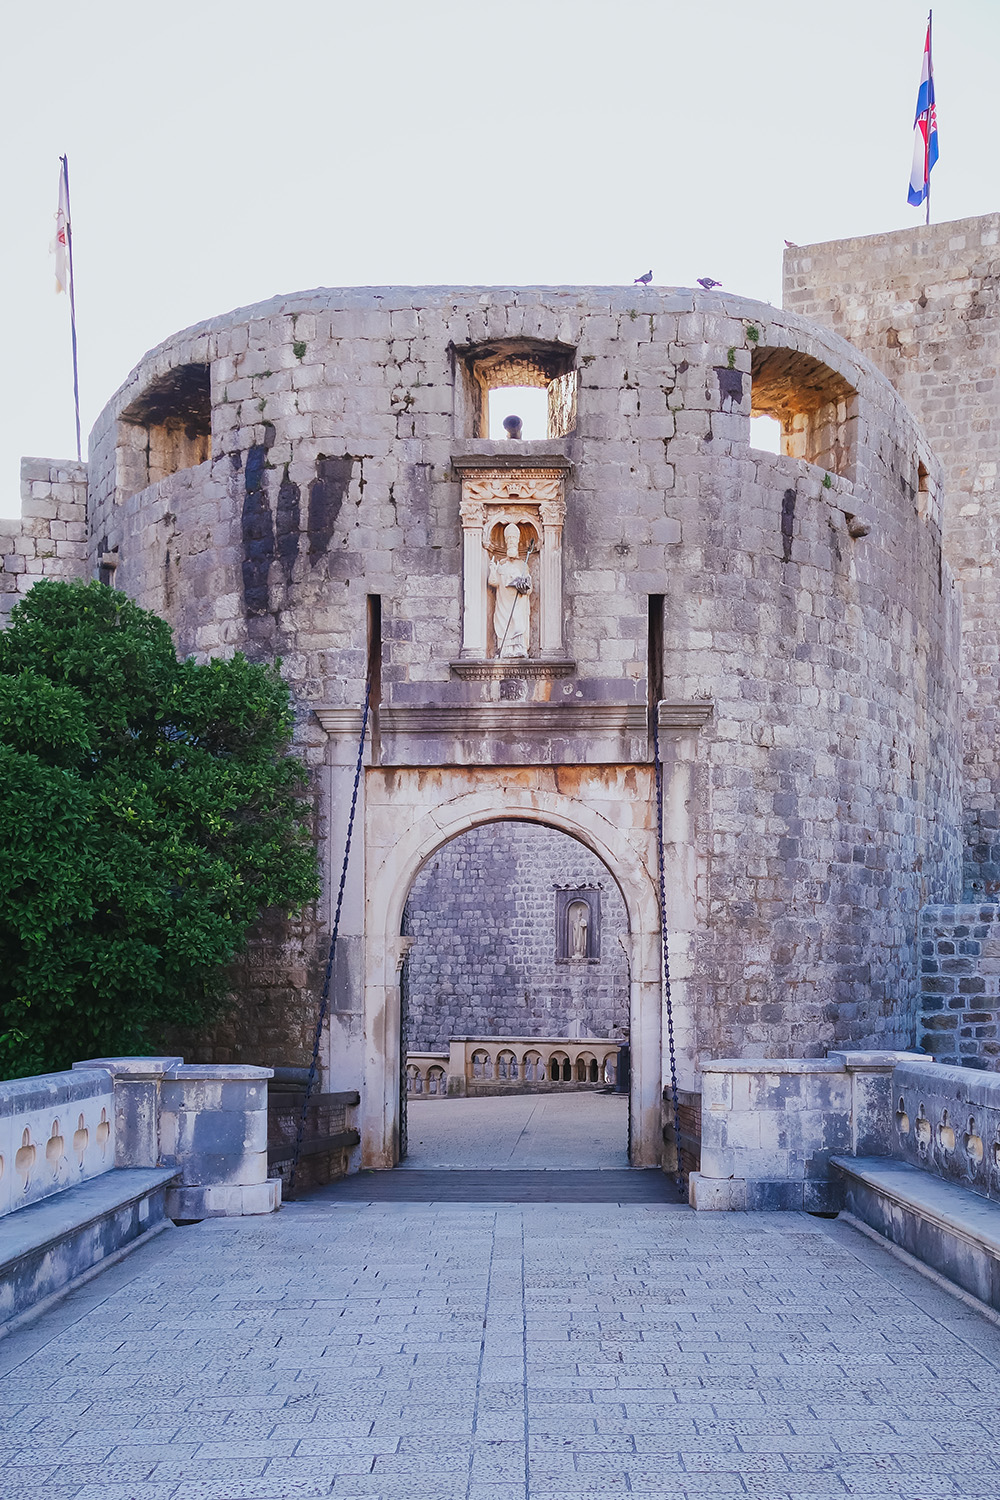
(872, 1107)
(137, 1084)
(213, 1128)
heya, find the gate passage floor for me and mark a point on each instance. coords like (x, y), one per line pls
(503, 1352)
(519, 1132)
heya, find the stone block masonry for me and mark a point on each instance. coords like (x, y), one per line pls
(960, 984)
(50, 540)
(924, 305)
(792, 613)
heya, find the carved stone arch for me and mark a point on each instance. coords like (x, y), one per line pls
(393, 860)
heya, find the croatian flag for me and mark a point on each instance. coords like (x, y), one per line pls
(925, 134)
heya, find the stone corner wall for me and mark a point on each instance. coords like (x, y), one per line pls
(959, 1019)
(923, 304)
(50, 540)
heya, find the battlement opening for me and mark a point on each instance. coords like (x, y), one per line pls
(167, 428)
(816, 407)
(503, 376)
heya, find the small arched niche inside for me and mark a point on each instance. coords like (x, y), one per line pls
(532, 379)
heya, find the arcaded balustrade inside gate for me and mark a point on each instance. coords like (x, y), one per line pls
(499, 1065)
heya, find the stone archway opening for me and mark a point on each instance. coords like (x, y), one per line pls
(515, 1004)
(411, 813)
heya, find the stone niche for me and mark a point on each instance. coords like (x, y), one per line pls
(512, 523)
(578, 925)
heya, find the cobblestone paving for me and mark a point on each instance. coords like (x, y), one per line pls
(494, 1353)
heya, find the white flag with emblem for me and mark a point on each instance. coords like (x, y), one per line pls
(60, 245)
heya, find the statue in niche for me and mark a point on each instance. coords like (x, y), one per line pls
(509, 577)
(579, 929)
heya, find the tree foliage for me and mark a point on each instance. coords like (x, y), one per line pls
(149, 813)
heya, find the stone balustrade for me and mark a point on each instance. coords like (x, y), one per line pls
(770, 1127)
(510, 1065)
(56, 1130)
(96, 1160)
(207, 1121)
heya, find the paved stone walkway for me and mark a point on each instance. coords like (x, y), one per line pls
(519, 1131)
(498, 1353)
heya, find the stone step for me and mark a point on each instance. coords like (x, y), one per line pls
(50, 1246)
(503, 1186)
(944, 1226)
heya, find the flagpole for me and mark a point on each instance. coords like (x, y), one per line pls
(72, 307)
(927, 145)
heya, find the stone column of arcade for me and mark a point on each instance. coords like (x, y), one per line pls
(342, 1050)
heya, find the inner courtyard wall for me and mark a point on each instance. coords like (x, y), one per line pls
(485, 959)
(924, 305)
(809, 624)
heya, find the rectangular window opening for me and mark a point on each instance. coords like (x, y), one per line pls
(374, 626)
(654, 657)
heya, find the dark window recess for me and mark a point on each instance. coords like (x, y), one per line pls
(167, 428)
(654, 657)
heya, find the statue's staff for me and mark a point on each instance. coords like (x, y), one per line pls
(520, 586)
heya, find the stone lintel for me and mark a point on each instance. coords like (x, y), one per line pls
(493, 670)
(534, 719)
(492, 462)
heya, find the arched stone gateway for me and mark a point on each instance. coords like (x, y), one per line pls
(435, 808)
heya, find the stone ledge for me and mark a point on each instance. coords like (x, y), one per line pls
(504, 671)
(515, 719)
(524, 455)
(48, 1246)
(944, 1226)
(771, 1065)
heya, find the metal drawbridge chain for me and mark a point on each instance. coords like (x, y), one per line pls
(664, 949)
(324, 999)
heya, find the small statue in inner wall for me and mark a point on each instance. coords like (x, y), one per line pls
(579, 930)
(512, 607)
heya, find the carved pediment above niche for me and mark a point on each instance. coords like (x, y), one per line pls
(512, 520)
(538, 485)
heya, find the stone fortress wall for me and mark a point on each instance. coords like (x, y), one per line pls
(51, 538)
(924, 305)
(485, 959)
(293, 479)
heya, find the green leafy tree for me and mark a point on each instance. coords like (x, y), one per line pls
(149, 813)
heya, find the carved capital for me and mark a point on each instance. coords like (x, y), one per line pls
(553, 512)
(472, 512)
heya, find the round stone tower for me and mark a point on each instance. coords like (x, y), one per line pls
(313, 478)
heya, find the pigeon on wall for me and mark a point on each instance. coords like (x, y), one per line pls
(708, 283)
(645, 280)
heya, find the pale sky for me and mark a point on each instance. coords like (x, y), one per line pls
(221, 153)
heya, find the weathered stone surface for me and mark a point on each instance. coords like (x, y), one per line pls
(923, 304)
(808, 816)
